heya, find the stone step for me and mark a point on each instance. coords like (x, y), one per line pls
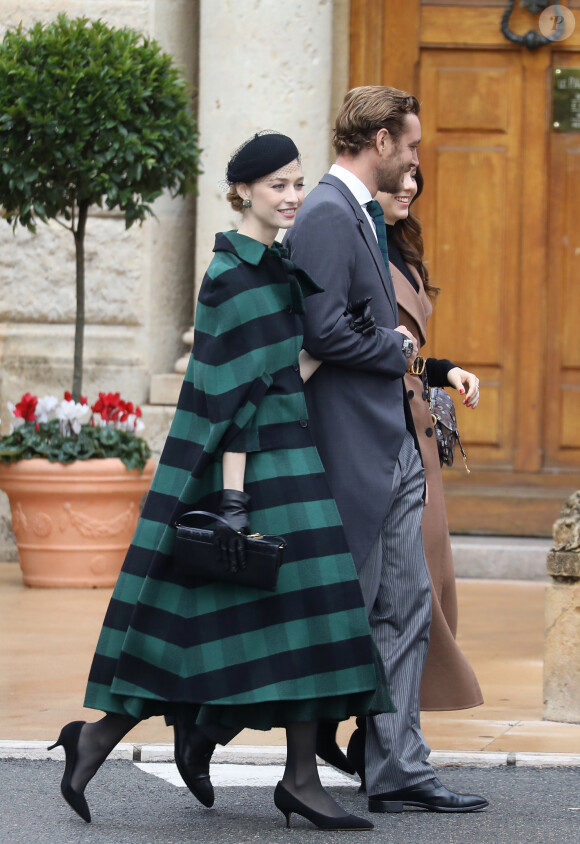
(500, 557)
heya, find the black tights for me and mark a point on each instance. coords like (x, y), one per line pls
(301, 772)
(96, 741)
(300, 778)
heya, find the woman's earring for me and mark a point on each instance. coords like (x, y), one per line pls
(247, 203)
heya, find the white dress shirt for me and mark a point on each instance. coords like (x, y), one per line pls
(358, 189)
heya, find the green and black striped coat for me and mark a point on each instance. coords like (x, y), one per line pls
(240, 656)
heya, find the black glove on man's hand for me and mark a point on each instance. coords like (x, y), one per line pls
(230, 541)
(363, 321)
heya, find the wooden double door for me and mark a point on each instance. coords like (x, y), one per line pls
(501, 218)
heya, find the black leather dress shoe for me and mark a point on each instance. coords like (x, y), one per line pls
(430, 795)
(193, 752)
(355, 752)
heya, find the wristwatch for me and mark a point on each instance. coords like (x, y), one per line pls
(407, 347)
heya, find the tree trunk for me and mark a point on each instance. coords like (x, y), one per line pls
(79, 236)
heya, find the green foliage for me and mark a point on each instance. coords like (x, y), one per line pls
(90, 114)
(45, 440)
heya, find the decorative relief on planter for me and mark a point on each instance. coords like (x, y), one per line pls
(91, 528)
(99, 564)
(19, 520)
(41, 524)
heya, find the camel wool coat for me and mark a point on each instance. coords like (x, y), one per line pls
(449, 681)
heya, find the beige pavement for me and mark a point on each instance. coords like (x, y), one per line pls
(47, 638)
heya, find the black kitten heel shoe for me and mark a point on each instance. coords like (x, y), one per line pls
(287, 804)
(69, 740)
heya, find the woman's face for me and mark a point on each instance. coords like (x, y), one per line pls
(275, 200)
(396, 205)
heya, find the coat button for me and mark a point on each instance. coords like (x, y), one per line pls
(429, 432)
(295, 367)
(410, 394)
(304, 423)
(289, 309)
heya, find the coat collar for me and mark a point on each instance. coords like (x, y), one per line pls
(329, 179)
(252, 251)
(358, 189)
(369, 237)
(415, 303)
(249, 250)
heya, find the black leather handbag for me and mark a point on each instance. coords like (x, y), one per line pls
(195, 555)
(445, 424)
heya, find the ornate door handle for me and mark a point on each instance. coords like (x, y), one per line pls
(532, 39)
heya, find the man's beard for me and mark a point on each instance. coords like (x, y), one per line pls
(390, 177)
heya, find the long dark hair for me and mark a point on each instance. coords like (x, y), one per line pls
(408, 236)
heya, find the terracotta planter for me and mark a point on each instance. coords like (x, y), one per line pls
(73, 524)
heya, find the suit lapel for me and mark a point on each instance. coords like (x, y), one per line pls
(369, 237)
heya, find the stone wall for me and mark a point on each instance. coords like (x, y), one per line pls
(262, 64)
(139, 282)
(268, 68)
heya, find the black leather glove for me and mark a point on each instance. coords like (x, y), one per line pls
(230, 541)
(363, 321)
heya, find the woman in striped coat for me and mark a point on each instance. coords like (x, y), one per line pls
(240, 444)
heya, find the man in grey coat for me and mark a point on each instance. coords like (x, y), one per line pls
(364, 433)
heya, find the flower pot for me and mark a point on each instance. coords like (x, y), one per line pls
(73, 523)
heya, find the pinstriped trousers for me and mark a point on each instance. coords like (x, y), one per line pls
(397, 592)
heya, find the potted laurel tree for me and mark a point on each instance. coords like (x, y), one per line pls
(89, 115)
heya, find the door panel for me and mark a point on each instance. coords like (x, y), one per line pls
(500, 216)
(477, 25)
(562, 399)
(471, 126)
(472, 99)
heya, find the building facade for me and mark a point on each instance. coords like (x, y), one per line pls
(499, 215)
(264, 64)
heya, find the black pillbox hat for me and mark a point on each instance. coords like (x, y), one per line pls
(262, 154)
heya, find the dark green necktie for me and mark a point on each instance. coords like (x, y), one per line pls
(376, 212)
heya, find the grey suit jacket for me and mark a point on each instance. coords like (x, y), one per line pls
(356, 398)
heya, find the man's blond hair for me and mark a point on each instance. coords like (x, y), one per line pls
(367, 109)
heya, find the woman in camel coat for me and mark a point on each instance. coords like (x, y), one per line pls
(448, 680)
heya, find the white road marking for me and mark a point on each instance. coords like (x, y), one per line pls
(242, 775)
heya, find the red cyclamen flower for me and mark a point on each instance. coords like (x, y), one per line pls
(108, 405)
(68, 397)
(112, 408)
(26, 407)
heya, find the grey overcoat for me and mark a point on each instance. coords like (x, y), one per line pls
(356, 403)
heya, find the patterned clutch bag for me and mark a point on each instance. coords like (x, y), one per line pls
(445, 424)
(195, 555)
